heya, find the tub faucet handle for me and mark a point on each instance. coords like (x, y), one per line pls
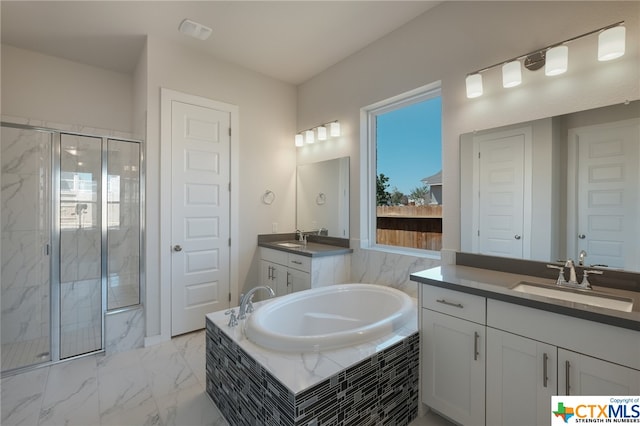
(233, 319)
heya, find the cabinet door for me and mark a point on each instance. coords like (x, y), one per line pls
(521, 379)
(583, 375)
(298, 280)
(274, 276)
(454, 367)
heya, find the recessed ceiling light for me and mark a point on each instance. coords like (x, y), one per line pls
(194, 29)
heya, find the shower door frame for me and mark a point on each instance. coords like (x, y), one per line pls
(55, 238)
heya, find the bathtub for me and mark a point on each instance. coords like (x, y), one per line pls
(329, 317)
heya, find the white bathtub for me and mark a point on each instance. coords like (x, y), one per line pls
(329, 317)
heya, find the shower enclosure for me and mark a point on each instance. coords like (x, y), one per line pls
(71, 234)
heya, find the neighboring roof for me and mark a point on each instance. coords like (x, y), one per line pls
(433, 179)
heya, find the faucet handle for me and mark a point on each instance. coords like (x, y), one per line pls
(233, 319)
(249, 306)
(585, 277)
(560, 280)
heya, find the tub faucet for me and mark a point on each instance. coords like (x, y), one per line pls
(245, 300)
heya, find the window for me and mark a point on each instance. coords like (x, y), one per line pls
(404, 173)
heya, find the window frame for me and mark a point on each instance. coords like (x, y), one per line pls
(368, 166)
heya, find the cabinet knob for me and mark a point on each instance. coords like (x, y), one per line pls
(177, 247)
(582, 236)
(517, 237)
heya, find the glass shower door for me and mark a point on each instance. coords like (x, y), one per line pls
(80, 245)
(26, 232)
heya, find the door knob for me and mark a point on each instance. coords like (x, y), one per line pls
(517, 237)
(177, 247)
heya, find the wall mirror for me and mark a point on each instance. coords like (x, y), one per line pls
(322, 198)
(552, 188)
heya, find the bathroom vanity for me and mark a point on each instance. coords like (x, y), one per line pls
(493, 355)
(287, 265)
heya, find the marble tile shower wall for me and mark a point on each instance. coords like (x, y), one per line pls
(25, 232)
(391, 269)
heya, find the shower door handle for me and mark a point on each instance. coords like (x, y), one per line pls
(177, 247)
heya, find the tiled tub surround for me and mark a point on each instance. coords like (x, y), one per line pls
(369, 384)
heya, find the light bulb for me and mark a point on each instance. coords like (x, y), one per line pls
(322, 133)
(474, 85)
(557, 59)
(309, 137)
(611, 43)
(511, 74)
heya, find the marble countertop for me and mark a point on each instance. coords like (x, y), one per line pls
(497, 285)
(299, 371)
(311, 249)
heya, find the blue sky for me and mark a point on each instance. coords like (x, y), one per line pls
(410, 144)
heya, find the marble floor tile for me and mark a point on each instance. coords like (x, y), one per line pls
(160, 385)
(22, 397)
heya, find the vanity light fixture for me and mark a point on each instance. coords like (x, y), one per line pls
(557, 60)
(309, 136)
(474, 85)
(320, 133)
(611, 43)
(554, 58)
(511, 74)
(334, 128)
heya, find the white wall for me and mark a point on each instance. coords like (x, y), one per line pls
(456, 38)
(52, 89)
(267, 154)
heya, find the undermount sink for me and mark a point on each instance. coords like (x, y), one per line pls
(290, 245)
(587, 297)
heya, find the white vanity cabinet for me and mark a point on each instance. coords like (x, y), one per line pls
(284, 272)
(453, 354)
(521, 379)
(580, 374)
(287, 272)
(528, 348)
(531, 355)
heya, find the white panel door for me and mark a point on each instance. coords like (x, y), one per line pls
(501, 196)
(200, 214)
(608, 214)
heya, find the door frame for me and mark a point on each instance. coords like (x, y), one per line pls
(167, 96)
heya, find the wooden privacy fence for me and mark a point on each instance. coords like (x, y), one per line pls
(410, 226)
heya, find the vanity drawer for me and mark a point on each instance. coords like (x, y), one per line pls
(274, 256)
(462, 305)
(302, 263)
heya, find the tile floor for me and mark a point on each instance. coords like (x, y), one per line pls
(159, 385)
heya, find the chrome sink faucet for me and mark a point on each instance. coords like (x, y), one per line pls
(573, 280)
(245, 300)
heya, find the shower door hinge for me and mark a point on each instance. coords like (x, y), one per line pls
(229, 242)
(229, 131)
(229, 297)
